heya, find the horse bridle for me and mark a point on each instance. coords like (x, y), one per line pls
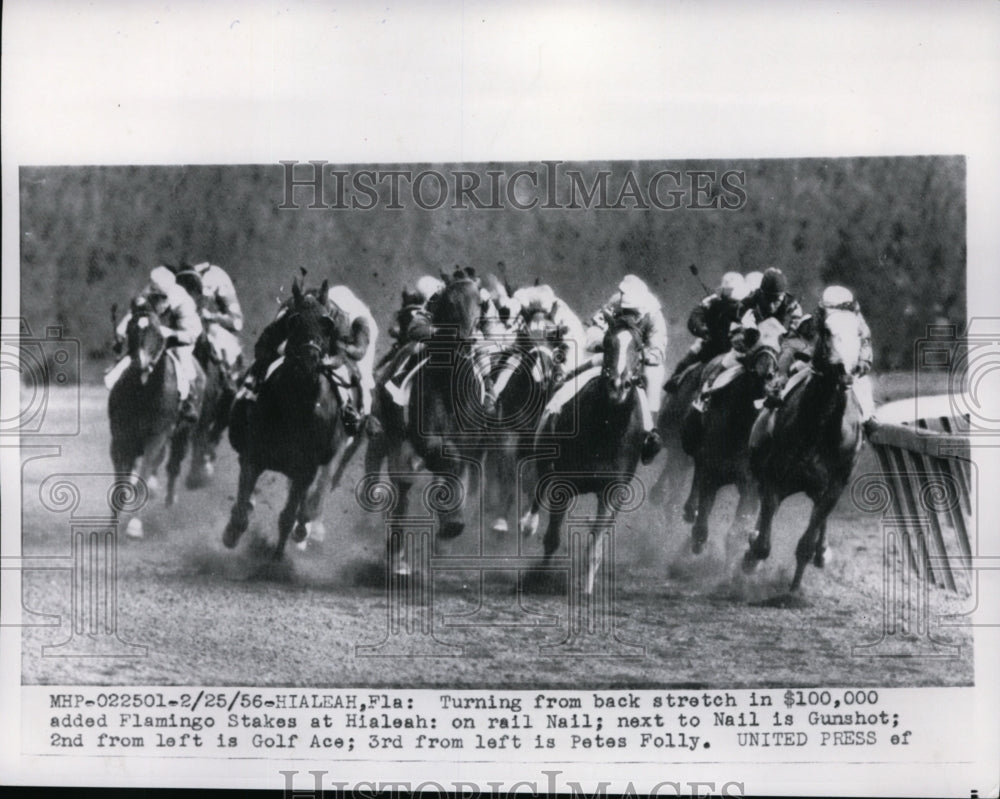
(154, 319)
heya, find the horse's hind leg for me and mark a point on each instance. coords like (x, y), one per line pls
(345, 460)
(309, 523)
(806, 549)
(822, 555)
(552, 533)
(239, 516)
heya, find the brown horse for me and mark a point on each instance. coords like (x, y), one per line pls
(144, 408)
(720, 447)
(599, 438)
(294, 426)
(811, 442)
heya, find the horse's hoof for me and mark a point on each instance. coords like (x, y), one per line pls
(231, 535)
(299, 533)
(152, 486)
(697, 544)
(500, 526)
(209, 468)
(689, 514)
(451, 530)
(529, 524)
(134, 528)
(750, 561)
(316, 531)
(401, 569)
(822, 557)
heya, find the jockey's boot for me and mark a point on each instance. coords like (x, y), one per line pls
(351, 418)
(651, 445)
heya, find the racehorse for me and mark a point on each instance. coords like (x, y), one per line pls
(668, 485)
(144, 408)
(444, 415)
(599, 438)
(217, 398)
(810, 443)
(294, 426)
(523, 382)
(718, 436)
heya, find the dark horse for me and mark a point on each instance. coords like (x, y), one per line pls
(524, 382)
(217, 397)
(144, 408)
(294, 425)
(444, 415)
(599, 437)
(718, 437)
(811, 444)
(668, 485)
(216, 402)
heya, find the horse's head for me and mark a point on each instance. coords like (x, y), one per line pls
(622, 366)
(144, 342)
(310, 329)
(838, 344)
(459, 305)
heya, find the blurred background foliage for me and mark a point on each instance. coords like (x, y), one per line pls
(892, 229)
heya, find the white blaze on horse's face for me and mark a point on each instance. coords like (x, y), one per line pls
(845, 343)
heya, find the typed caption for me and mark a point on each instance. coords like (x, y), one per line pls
(785, 725)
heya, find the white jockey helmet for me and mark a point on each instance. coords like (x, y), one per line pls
(162, 281)
(752, 281)
(635, 294)
(837, 297)
(733, 285)
(428, 286)
(536, 298)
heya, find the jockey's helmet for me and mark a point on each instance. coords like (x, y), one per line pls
(733, 285)
(428, 286)
(752, 280)
(635, 294)
(162, 282)
(773, 284)
(837, 297)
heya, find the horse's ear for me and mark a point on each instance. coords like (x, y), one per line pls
(538, 280)
(470, 272)
(296, 291)
(445, 277)
(324, 290)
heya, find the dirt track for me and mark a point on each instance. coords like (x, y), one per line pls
(212, 616)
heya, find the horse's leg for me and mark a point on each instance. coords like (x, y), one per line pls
(505, 485)
(528, 523)
(823, 552)
(705, 489)
(552, 533)
(309, 523)
(345, 459)
(595, 548)
(395, 544)
(200, 469)
(806, 549)
(178, 449)
(690, 512)
(239, 516)
(148, 463)
(744, 508)
(760, 543)
(298, 486)
(451, 522)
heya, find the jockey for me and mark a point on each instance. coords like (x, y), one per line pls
(635, 300)
(181, 327)
(221, 314)
(710, 322)
(770, 300)
(834, 299)
(354, 335)
(567, 331)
